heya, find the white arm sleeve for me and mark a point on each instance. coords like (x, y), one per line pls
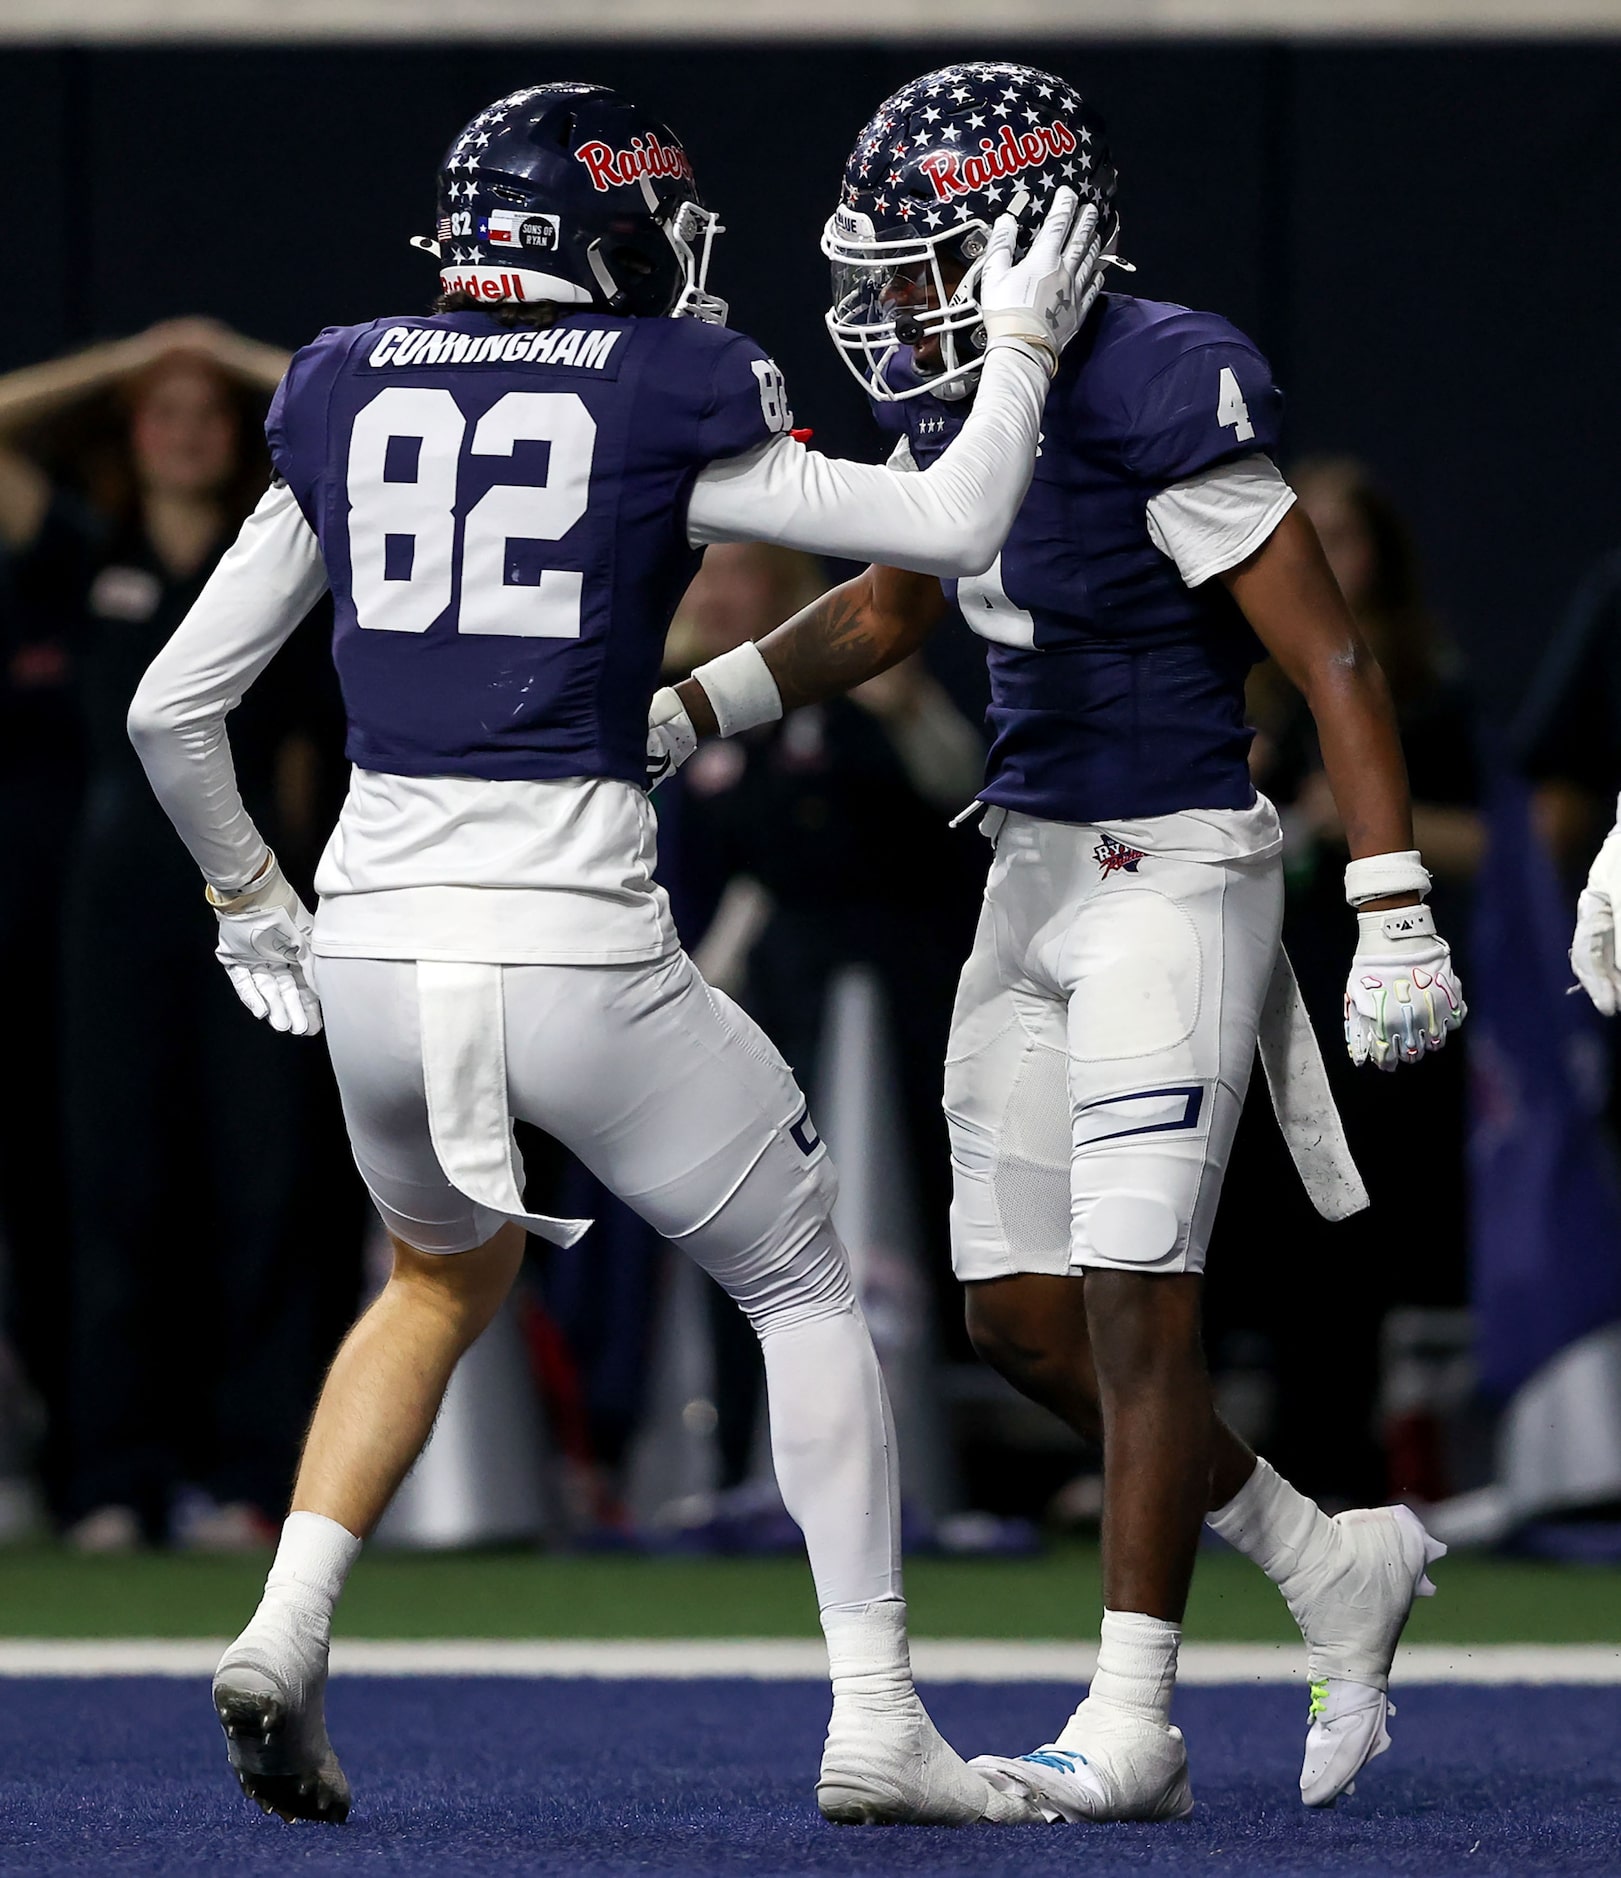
(951, 519)
(267, 581)
(1210, 522)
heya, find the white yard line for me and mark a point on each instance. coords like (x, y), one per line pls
(792, 1660)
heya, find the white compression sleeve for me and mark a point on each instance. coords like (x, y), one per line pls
(267, 581)
(948, 520)
(833, 1443)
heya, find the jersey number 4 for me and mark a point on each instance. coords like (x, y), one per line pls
(1231, 410)
(403, 529)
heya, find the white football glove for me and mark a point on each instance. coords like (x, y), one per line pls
(1043, 299)
(671, 738)
(1592, 951)
(1402, 996)
(265, 949)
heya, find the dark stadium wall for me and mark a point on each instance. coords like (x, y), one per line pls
(1422, 237)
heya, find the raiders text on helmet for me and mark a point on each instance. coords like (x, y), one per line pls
(567, 192)
(938, 163)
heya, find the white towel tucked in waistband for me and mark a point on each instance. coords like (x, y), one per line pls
(464, 1071)
(1303, 1101)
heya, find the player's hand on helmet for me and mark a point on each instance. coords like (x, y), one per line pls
(1402, 997)
(1042, 300)
(264, 945)
(1592, 950)
(671, 738)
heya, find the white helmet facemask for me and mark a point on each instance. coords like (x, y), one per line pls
(891, 296)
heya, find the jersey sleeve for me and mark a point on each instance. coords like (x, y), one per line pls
(1214, 402)
(747, 403)
(1211, 521)
(295, 428)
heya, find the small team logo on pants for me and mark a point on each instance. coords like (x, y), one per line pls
(1114, 857)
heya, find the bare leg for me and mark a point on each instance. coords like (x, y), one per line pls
(1118, 1354)
(376, 1412)
(1157, 1416)
(1349, 1583)
(388, 1379)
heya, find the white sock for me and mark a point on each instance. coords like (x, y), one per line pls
(288, 1635)
(867, 1652)
(313, 1561)
(308, 1572)
(1136, 1664)
(1290, 1537)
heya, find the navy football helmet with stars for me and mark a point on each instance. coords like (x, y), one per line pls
(568, 193)
(930, 174)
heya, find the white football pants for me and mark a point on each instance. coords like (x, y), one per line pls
(678, 1103)
(1101, 1045)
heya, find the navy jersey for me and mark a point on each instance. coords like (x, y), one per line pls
(1116, 690)
(502, 513)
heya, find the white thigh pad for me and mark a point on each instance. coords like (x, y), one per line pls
(1162, 1026)
(1138, 975)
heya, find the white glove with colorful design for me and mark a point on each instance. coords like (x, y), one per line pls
(1592, 951)
(1403, 996)
(265, 948)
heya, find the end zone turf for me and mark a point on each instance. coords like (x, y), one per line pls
(462, 1778)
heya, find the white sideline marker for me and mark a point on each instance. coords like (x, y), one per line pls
(791, 1659)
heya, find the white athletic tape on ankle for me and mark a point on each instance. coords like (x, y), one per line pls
(741, 689)
(1376, 876)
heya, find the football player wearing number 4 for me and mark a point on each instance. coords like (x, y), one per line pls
(1128, 957)
(507, 499)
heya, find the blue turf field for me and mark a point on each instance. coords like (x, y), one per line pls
(456, 1777)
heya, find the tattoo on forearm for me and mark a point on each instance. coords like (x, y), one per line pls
(833, 644)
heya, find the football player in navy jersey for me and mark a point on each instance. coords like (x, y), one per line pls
(506, 498)
(1128, 958)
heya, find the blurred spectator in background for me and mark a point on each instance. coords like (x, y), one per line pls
(125, 471)
(821, 842)
(1567, 738)
(1410, 1249)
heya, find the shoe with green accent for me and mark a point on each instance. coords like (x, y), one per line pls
(1352, 1618)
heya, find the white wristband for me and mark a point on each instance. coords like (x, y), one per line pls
(1022, 333)
(740, 689)
(1377, 876)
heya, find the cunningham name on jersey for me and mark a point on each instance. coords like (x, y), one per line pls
(405, 346)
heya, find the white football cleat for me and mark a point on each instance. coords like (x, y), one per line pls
(886, 1764)
(270, 1700)
(1352, 1621)
(1108, 1764)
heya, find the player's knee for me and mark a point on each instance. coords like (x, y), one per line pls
(808, 1277)
(1024, 1328)
(1144, 1329)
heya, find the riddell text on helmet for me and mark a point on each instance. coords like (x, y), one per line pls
(956, 175)
(482, 285)
(612, 169)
